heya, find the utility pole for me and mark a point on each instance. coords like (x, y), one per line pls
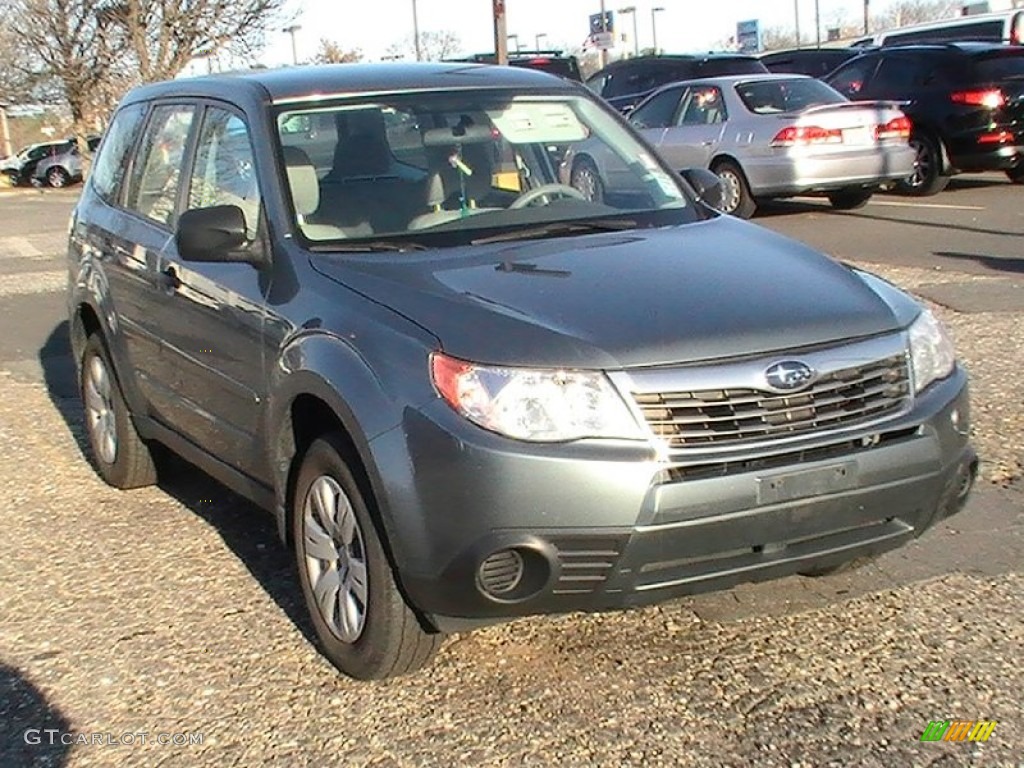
(295, 51)
(5, 133)
(636, 38)
(604, 30)
(654, 27)
(796, 17)
(500, 32)
(536, 40)
(817, 23)
(867, 16)
(416, 32)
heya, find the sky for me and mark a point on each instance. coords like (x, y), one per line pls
(684, 26)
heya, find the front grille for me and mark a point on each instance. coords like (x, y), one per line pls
(845, 397)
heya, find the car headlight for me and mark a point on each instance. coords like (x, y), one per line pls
(931, 351)
(539, 405)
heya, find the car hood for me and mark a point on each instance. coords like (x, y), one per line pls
(714, 289)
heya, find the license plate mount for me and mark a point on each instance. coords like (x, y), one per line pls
(788, 486)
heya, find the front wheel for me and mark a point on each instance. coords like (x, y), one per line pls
(362, 621)
(928, 177)
(850, 199)
(736, 197)
(57, 177)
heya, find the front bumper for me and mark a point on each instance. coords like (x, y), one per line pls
(794, 172)
(600, 527)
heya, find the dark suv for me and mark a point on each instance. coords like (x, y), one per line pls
(627, 82)
(553, 62)
(816, 62)
(466, 392)
(966, 101)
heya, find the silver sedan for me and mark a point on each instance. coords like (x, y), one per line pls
(765, 136)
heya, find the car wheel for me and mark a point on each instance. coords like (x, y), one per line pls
(736, 197)
(1016, 174)
(928, 177)
(849, 565)
(362, 621)
(850, 199)
(57, 177)
(121, 456)
(586, 179)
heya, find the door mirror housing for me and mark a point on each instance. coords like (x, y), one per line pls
(214, 234)
(706, 184)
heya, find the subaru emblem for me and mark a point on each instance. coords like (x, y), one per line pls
(789, 375)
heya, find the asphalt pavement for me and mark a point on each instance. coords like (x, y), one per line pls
(174, 609)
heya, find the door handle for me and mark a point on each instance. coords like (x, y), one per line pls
(708, 143)
(168, 280)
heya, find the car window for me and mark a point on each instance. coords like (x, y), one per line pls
(850, 80)
(153, 191)
(767, 97)
(1004, 65)
(658, 111)
(903, 74)
(224, 172)
(704, 107)
(112, 161)
(737, 66)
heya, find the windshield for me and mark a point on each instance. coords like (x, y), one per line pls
(791, 95)
(468, 164)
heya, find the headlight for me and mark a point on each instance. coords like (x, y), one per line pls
(931, 351)
(540, 405)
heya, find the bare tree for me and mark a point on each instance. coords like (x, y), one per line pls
(332, 53)
(777, 39)
(906, 12)
(434, 46)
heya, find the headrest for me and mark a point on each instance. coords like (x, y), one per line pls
(303, 181)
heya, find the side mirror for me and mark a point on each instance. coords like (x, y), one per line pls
(213, 234)
(706, 184)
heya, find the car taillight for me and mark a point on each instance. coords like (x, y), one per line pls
(897, 128)
(999, 137)
(992, 98)
(806, 135)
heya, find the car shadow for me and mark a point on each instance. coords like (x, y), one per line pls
(249, 532)
(30, 726)
(995, 263)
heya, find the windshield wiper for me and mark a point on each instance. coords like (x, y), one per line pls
(560, 229)
(371, 246)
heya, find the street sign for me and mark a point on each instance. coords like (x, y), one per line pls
(603, 40)
(597, 27)
(748, 36)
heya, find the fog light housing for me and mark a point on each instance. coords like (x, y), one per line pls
(501, 573)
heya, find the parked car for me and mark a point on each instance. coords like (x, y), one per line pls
(1005, 27)
(63, 167)
(627, 82)
(20, 168)
(765, 136)
(468, 394)
(966, 101)
(816, 62)
(551, 61)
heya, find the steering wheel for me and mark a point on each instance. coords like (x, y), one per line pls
(548, 191)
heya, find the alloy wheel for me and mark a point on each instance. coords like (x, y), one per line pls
(731, 191)
(99, 409)
(335, 558)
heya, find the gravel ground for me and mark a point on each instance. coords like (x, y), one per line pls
(988, 344)
(174, 610)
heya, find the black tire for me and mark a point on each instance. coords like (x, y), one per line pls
(57, 177)
(929, 177)
(586, 179)
(736, 197)
(1016, 175)
(850, 199)
(849, 565)
(390, 640)
(129, 463)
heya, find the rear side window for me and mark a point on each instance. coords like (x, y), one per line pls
(112, 161)
(1000, 67)
(903, 74)
(704, 107)
(850, 79)
(156, 176)
(737, 66)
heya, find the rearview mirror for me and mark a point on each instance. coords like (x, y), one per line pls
(213, 234)
(706, 184)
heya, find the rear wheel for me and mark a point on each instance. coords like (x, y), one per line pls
(587, 180)
(1016, 174)
(364, 625)
(57, 177)
(736, 197)
(928, 177)
(850, 199)
(122, 458)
